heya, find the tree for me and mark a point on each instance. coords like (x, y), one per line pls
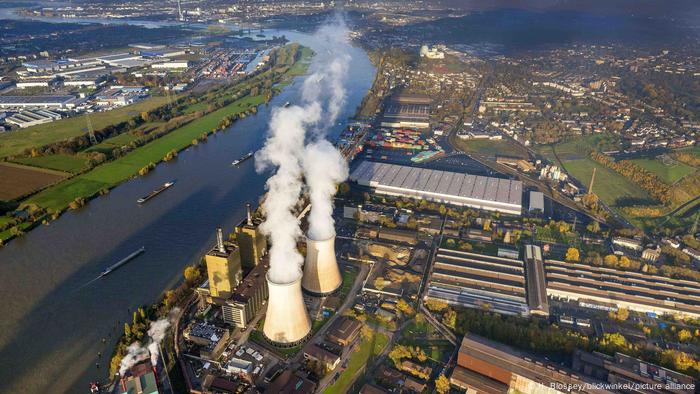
(450, 318)
(405, 308)
(594, 227)
(684, 335)
(435, 305)
(442, 384)
(572, 255)
(192, 275)
(622, 314)
(610, 260)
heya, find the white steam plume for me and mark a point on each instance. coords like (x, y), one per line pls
(136, 352)
(324, 168)
(323, 96)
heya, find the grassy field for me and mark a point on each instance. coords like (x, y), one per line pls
(614, 189)
(578, 148)
(668, 174)
(64, 163)
(491, 148)
(16, 142)
(369, 347)
(112, 173)
(17, 180)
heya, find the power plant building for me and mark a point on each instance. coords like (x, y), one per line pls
(287, 323)
(321, 273)
(247, 299)
(474, 191)
(223, 268)
(252, 242)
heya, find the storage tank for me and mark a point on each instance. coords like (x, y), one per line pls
(321, 272)
(286, 322)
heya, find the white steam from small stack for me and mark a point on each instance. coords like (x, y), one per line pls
(136, 352)
(319, 162)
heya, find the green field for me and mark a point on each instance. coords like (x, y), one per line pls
(64, 163)
(578, 148)
(369, 347)
(112, 173)
(14, 143)
(491, 148)
(614, 189)
(668, 174)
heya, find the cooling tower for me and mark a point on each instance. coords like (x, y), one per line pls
(286, 322)
(321, 273)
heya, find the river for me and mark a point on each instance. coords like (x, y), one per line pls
(52, 322)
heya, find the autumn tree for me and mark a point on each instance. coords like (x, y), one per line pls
(572, 255)
(442, 384)
(192, 275)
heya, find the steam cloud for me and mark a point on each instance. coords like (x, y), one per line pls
(319, 162)
(136, 352)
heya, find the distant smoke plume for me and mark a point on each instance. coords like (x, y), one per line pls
(323, 96)
(136, 352)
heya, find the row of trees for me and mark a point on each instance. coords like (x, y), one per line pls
(648, 181)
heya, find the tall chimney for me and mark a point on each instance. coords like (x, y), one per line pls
(287, 322)
(220, 240)
(321, 272)
(249, 211)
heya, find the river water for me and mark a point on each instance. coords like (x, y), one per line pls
(52, 322)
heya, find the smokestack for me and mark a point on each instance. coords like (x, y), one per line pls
(321, 273)
(249, 211)
(287, 322)
(220, 240)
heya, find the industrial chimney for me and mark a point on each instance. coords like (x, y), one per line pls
(249, 212)
(220, 240)
(286, 322)
(321, 273)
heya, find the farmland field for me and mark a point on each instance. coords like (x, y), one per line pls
(15, 142)
(667, 173)
(17, 180)
(578, 148)
(614, 189)
(64, 163)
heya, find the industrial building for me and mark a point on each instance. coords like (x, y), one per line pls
(172, 65)
(139, 379)
(29, 102)
(485, 366)
(536, 203)
(407, 110)
(247, 298)
(536, 285)
(287, 322)
(324, 357)
(33, 118)
(251, 241)
(344, 330)
(479, 192)
(633, 290)
(479, 281)
(223, 269)
(622, 369)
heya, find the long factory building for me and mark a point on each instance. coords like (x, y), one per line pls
(523, 287)
(632, 290)
(474, 191)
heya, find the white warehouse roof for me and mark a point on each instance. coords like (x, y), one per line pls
(493, 194)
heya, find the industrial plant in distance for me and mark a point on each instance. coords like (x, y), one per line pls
(365, 197)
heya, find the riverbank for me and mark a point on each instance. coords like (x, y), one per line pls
(75, 191)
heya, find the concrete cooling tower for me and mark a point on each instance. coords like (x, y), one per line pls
(286, 322)
(321, 273)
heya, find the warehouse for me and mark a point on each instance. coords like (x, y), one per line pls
(407, 110)
(633, 290)
(19, 102)
(33, 118)
(479, 192)
(479, 281)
